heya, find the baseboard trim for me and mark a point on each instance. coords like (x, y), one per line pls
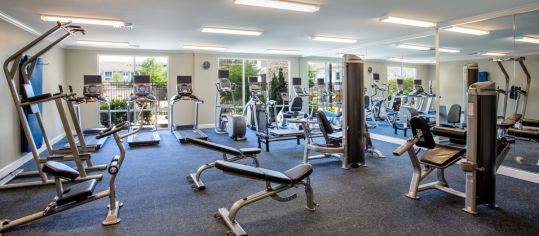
(25, 158)
(206, 126)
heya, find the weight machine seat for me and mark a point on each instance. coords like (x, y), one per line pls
(453, 133)
(222, 148)
(530, 122)
(78, 192)
(524, 133)
(442, 156)
(60, 170)
(291, 176)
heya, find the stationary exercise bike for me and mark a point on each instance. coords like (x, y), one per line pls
(83, 192)
(225, 121)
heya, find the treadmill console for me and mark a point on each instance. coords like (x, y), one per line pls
(322, 90)
(184, 85)
(254, 85)
(142, 86)
(92, 86)
(418, 84)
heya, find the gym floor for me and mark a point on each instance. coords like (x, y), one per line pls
(368, 201)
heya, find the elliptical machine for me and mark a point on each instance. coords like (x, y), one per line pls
(226, 122)
(254, 103)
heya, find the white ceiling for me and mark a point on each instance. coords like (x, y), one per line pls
(169, 24)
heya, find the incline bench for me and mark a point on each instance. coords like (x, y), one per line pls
(298, 175)
(237, 154)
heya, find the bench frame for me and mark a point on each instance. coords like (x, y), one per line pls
(229, 217)
(194, 178)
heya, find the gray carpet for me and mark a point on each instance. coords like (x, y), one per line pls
(368, 201)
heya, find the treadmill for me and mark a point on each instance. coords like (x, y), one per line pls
(142, 95)
(184, 86)
(92, 92)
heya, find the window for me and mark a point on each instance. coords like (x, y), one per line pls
(118, 72)
(408, 74)
(241, 69)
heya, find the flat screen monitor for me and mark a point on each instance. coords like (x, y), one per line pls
(92, 79)
(141, 79)
(376, 77)
(296, 81)
(223, 74)
(253, 79)
(417, 82)
(184, 79)
(320, 81)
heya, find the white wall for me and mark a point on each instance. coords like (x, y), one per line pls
(81, 61)
(11, 40)
(451, 82)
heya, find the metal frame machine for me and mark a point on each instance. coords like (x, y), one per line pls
(184, 85)
(226, 122)
(142, 96)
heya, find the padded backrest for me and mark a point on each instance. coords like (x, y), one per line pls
(454, 114)
(325, 125)
(297, 104)
(420, 128)
(367, 102)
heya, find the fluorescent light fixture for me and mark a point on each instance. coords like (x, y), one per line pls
(198, 47)
(277, 4)
(282, 51)
(449, 50)
(333, 39)
(103, 43)
(231, 31)
(405, 21)
(398, 59)
(414, 47)
(464, 30)
(89, 21)
(493, 54)
(527, 39)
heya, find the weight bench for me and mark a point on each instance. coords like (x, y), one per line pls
(293, 177)
(526, 133)
(237, 154)
(436, 157)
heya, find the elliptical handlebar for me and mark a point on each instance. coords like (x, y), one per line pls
(112, 130)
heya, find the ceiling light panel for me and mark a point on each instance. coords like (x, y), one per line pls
(199, 47)
(405, 21)
(282, 51)
(103, 43)
(414, 47)
(231, 31)
(89, 21)
(334, 39)
(464, 30)
(493, 54)
(527, 39)
(449, 50)
(283, 5)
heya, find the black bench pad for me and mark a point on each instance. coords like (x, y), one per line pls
(78, 192)
(455, 133)
(442, 156)
(293, 175)
(213, 146)
(524, 133)
(60, 170)
(530, 122)
(250, 151)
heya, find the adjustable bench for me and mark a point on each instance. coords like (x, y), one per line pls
(237, 154)
(436, 156)
(293, 177)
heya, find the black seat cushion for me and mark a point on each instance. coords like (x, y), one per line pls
(214, 146)
(455, 133)
(442, 156)
(524, 133)
(293, 175)
(530, 122)
(300, 172)
(78, 192)
(59, 169)
(250, 151)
